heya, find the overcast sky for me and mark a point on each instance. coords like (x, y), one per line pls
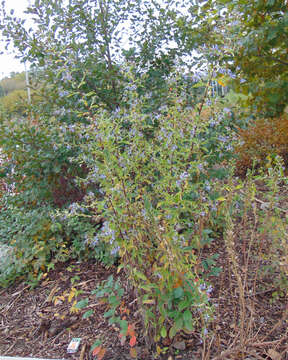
(8, 63)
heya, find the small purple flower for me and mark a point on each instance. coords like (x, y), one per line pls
(115, 251)
(200, 167)
(209, 289)
(222, 138)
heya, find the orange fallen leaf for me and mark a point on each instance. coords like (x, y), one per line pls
(130, 330)
(96, 350)
(133, 341)
(99, 351)
(101, 354)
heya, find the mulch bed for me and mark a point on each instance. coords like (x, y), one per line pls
(39, 322)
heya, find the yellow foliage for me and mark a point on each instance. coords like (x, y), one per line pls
(15, 102)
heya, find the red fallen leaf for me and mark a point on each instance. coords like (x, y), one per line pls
(133, 341)
(130, 330)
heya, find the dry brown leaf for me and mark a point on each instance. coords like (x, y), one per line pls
(52, 293)
(101, 354)
(274, 354)
(133, 353)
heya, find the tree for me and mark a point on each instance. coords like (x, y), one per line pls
(16, 81)
(253, 34)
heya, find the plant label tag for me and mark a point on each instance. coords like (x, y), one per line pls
(73, 345)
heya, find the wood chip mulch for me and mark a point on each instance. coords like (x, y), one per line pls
(40, 322)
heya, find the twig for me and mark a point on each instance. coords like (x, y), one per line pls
(268, 343)
(273, 58)
(266, 203)
(226, 353)
(259, 292)
(57, 336)
(8, 307)
(275, 326)
(84, 282)
(10, 348)
(20, 291)
(81, 357)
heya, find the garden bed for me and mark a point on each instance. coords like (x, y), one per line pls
(40, 322)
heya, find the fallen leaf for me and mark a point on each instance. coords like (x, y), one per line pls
(133, 353)
(99, 351)
(274, 355)
(52, 293)
(158, 349)
(101, 354)
(133, 341)
(179, 345)
(130, 330)
(96, 350)
(58, 302)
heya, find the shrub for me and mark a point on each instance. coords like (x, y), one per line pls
(15, 103)
(41, 236)
(160, 192)
(262, 138)
(33, 241)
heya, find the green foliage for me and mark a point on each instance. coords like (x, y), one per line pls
(156, 173)
(37, 162)
(126, 155)
(248, 46)
(41, 236)
(33, 242)
(14, 104)
(261, 52)
(111, 292)
(39, 187)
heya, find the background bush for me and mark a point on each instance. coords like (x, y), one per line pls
(262, 138)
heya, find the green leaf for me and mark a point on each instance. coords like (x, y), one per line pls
(124, 326)
(87, 314)
(172, 332)
(140, 275)
(178, 292)
(82, 304)
(179, 323)
(187, 316)
(163, 332)
(109, 313)
(145, 287)
(183, 305)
